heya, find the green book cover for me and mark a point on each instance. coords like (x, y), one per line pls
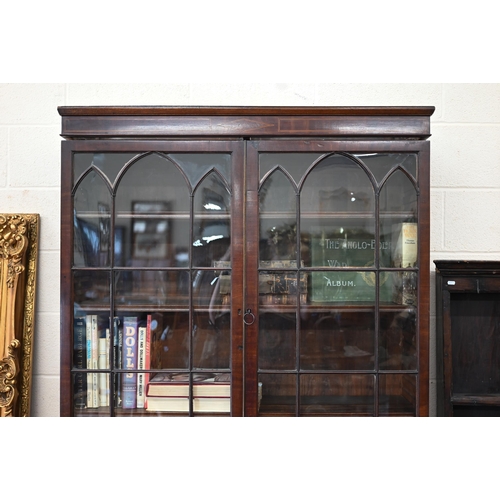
(340, 250)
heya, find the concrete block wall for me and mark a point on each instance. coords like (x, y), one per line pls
(465, 171)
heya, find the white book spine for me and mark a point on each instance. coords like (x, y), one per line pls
(141, 357)
(95, 363)
(102, 376)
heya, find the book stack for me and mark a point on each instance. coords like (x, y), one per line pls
(168, 392)
(92, 341)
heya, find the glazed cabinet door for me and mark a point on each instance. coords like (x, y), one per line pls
(149, 299)
(337, 278)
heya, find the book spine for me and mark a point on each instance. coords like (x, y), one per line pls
(409, 250)
(108, 341)
(88, 338)
(117, 358)
(141, 357)
(80, 361)
(95, 362)
(129, 357)
(147, 360)
(102, 376)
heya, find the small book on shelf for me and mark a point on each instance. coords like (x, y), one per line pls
(209, 385)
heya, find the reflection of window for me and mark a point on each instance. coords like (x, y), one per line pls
(150, 230)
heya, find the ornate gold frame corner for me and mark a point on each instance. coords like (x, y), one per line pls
(18, 268)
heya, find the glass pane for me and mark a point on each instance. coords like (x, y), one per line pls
(211, 339)
(196, 165)
(398, 222)
(337, 215)
(92, 223)
(91, 289)
(278, 224)
(158, 288)
(337, 394)
(338, 340)
(277, 346)
(212, 224)
(397, 395)
(152, 212)
(296, 164)
(398, 339)
(380, 164)
(277, 394)
(399, 287)
(109, 164)
(281, 287)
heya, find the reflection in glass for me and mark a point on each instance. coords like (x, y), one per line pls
(380, 164)
(212, 224)
(278, 224)
(338, 340)
(296, 164)
(398, 221)
(170, 340)
(92, 222)
(91, 289)
(211, 339)
(152, 212)
(277, 341)
(397, 339)
(340, 394)
(397, 394)
(197, 165)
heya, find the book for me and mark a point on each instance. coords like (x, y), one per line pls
(180, 404)
(117, 357)
(129, 362)
(141, 358)
(80, 361)
(166, 384)
(108, 366)
(88, 340)
(95, 362)
(147, 357)
(405, 255)
(102, 376)
(341, 249)
(405, 252)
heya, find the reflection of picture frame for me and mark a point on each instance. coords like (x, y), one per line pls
(150, 230)
(104, 226)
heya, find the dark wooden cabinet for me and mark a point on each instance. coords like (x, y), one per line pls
(277, 258)
(468, 338)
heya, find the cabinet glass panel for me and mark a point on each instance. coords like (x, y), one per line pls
(92, 222)
(337, 394)
(212, 228)
(277, 394)
(277, 340)
(278, 220)
(397, 394)
(152, 207)
(168, 280)
(398, 221)
(338, 339)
